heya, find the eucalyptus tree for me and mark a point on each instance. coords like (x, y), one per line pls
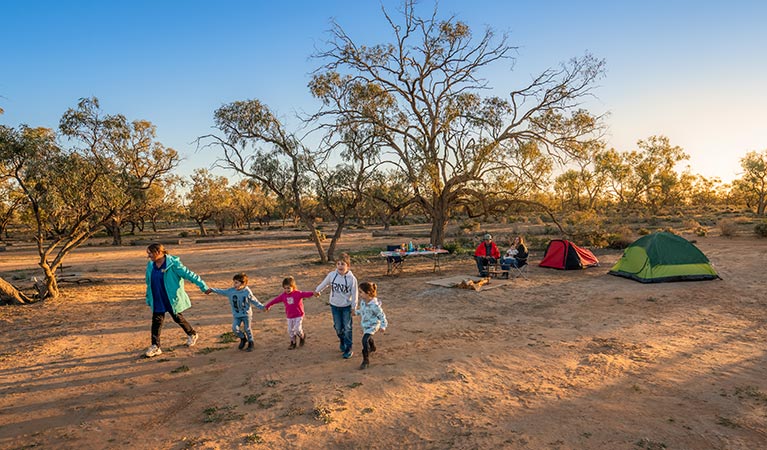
(582, 187)
(340, 188)
(207, 197)
(249, 201)
(752, 185)
(256, 144)
(422, 93)
(11, 199)
(126, 156)
(74, 192)
(390, 197)
(646, 178)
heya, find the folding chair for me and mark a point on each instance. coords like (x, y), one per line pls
(520, 271)
(393, 263)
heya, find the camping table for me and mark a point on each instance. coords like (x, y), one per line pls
(433, 254)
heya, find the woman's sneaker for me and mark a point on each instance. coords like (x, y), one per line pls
(191, 340)
(153, 351)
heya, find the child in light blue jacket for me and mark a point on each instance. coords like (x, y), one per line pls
(373, 319)
(241, 299)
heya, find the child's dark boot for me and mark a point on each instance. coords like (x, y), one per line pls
(250, 346)
(243, 341)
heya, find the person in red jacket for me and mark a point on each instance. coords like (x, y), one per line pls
(487, 253)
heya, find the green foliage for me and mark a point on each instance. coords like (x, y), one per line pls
(760, 229)
(228, 337)
(459, 247)
(322, 413)
(586, 228)
(215, 414)
(471, 225)
(254, 438)
(180, 369)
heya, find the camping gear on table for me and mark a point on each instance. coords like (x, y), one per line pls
(662, 257)
(564, 255)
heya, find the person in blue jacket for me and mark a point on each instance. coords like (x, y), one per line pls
(165, 275)
(373, 319)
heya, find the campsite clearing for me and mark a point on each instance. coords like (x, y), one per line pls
(572, 359)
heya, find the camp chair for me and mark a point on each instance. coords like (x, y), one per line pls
(394, 263)
(522, 270)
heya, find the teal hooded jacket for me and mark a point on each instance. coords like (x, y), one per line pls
(174, 276)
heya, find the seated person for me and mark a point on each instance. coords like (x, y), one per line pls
(487, 253)
(516, 256)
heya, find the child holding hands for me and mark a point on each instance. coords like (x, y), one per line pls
(294, 310)
(373, 319)
(343, 299)
(240, 299)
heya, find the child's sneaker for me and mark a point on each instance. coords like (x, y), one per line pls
(191, 340)
(250, 346)
(243, 341)
(301, 340)
(153, 351)
(348, 354)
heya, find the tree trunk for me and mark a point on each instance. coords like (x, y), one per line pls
(201, 224)
(438, 225)
(10, 295)
(334, 240)
(117, 237)
(315, 237)
(51, 289)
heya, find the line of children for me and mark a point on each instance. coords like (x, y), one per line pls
(343, 301)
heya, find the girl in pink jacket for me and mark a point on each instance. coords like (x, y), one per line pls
(294, 310)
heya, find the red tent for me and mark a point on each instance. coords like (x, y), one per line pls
(563, 254)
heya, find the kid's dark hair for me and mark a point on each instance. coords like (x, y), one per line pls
(345, 258)
(289, 281)
(369, 288)
(241, 277)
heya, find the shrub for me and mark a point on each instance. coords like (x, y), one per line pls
(761, 229)
(728, 227)
(643, 231)
(183, 234)
(691, 224)
(620, 238)
(459, 247)
(700, 231)
(471, 225)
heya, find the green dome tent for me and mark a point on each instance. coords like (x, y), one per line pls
(661, 257)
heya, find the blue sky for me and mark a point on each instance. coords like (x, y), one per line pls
(693, 71)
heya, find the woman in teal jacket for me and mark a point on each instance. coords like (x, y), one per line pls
(165, 275)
